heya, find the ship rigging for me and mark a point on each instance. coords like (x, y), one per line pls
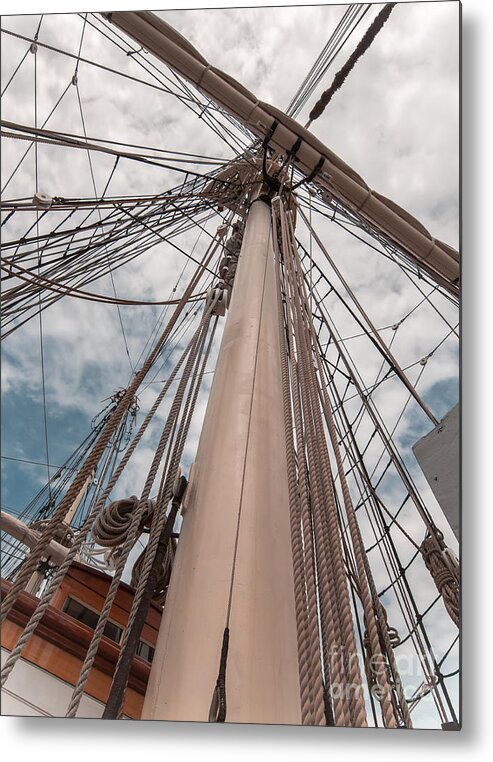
(297, 556)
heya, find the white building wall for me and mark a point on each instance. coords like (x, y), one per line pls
(32, 692)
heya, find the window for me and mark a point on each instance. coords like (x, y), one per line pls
(78, 611)
(87, 616)
(145, 651)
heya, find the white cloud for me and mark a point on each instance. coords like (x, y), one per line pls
(395, 122)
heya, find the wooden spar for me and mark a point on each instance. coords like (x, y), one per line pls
(438, 259)
(37, 577)
(233, 566)
(20, 531)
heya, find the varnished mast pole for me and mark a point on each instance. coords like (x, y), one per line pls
(233, 569)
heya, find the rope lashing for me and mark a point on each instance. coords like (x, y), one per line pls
(343, 73)
(393, 637)
(64, 534)
(217, 712)
(219, 295)
(316, 169)
(437, 561)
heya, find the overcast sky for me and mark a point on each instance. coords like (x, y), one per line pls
(395, 121)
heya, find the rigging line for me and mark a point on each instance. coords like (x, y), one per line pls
(347, 25)
(353, 454)
(405, 605)
(179, 332)
(447, 652)
(147, 65)
(296, 99)
(80, 46)
(37, 463)
(187, 319)
(162, 316)
(368, 390)
(386, 350)
(159, 198)
(182, 156)
(15, 72)
(100, 219)
(102, 197)
(41, 347)
(390, 251)
(121, 262)
(163, 380)
(87, 61)
(416, 624)
(128, 51)
(333, 54)
(377, 420)
(402, 412)
(16, 126)
(149, 159)
(31, 145)
(324, 58)
(343, 73)
(118, 230)
(63, 290)
(23, 58)
(164, 238)
(403, 409)
(428, 299)
(404, 586)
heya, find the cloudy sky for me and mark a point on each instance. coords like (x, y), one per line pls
(395, 121)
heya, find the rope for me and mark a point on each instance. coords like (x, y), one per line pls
(343, 73)
(112, 526)
(98, 448)
(170, 473)
(365, 581)
(134, 529)
(131, 537)
(311, 683)
(81, 535)
(335, 601)
(163, 576)
(115, 701)
(444, 574)
(311, 506)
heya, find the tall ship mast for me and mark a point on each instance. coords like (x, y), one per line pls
(260, 525)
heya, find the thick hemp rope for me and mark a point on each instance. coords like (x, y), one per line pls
(98, 448)
(343, 73)
(87, 526)
(366, 585)
(311, 679)
(133, 531)
(335, 608)
(444, 574)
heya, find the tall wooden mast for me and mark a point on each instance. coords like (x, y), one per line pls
(233, 569)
